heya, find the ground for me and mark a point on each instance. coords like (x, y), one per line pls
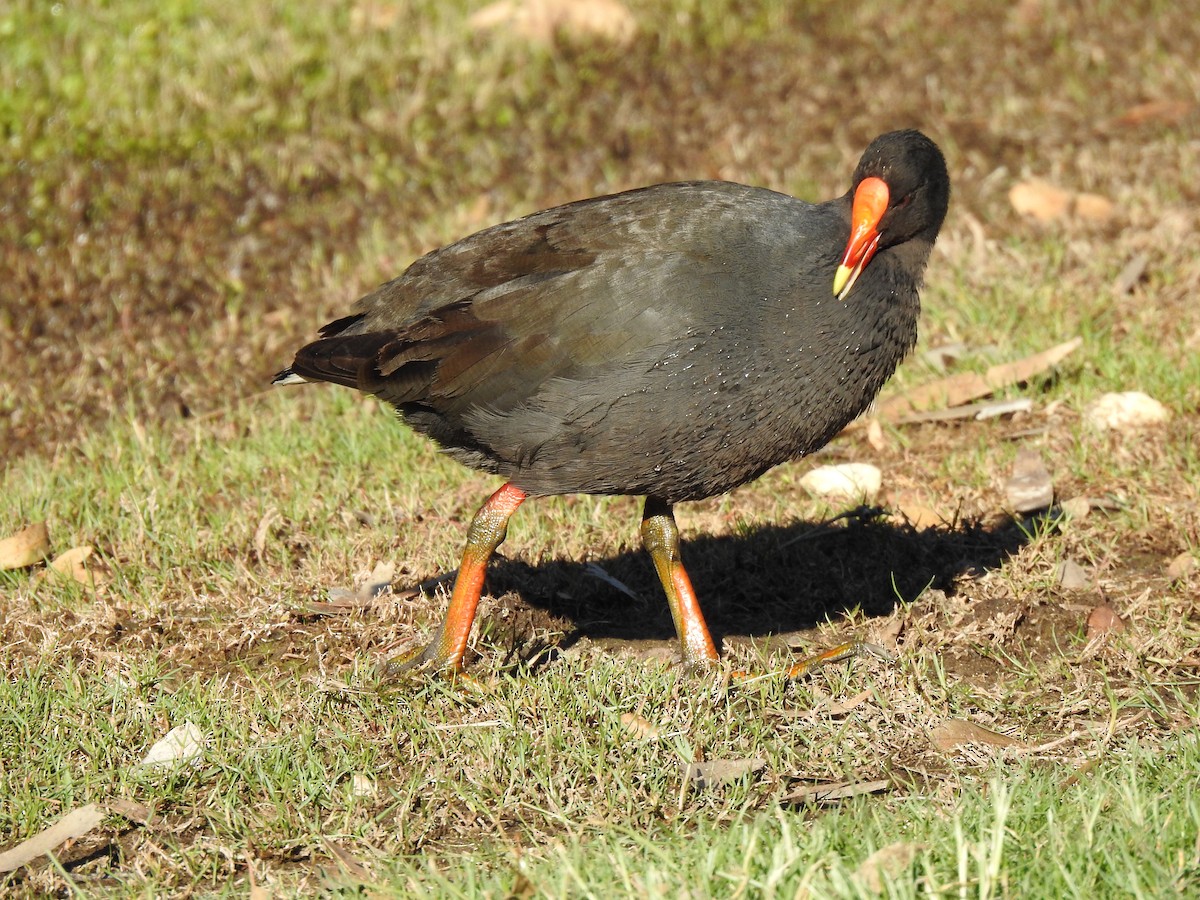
(188, 192)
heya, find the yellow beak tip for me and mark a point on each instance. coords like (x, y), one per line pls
(840, 278)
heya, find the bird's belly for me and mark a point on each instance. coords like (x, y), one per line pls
(682, 426)
(684, 444)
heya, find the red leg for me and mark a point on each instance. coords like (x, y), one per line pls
(660, 535)
(487, 532)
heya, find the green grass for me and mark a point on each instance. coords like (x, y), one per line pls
(546, 754)
(537, 776)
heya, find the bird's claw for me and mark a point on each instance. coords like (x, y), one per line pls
(833, 654)
(427, 659)
(804, 666)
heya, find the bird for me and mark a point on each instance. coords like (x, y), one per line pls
(670, 342)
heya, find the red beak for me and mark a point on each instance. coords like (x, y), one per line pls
(870, 203)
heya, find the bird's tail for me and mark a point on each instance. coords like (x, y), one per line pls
(287, 376)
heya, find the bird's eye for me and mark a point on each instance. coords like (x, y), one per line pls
(903, 202)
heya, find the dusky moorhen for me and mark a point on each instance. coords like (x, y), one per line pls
(671, 342)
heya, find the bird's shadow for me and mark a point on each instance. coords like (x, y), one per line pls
(767, 580)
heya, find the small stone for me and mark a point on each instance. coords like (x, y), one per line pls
(1076, 507)
(1030, 487)
(1125, 411)
(849, 481)
(182, 744)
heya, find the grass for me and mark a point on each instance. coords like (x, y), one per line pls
(189, 190)
(274, 785)
(536, 776)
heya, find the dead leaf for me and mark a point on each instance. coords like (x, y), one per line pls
(257, 891)
(362, 785)
(344, 601)
(348, 861)
(994, 409)
(840, 709)
(875, 436)
(886, 864)
(953, 732)
(639, 727)
(27, 547)
(945, 356)
(73, 564)
(378, 581)
(967, 386)
(1071, 576)
(1029, 488)
(541, 20)
(375, 16)
(1181, 566)
(598, 572)
(986, 409)
(1102, 620)
(263, 531)
(1028, 13)
(1166, 112)
(74, 824)
(132, 810)
(1040, 200)
(522, 888)
(1130, 275)
(918, 516)
(341, 605)
(1094, 208)
(1086, 769)
(832, 792)
(887, 635)
(712, 772)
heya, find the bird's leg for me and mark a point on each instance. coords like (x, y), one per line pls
(487, 532)
(660, 535)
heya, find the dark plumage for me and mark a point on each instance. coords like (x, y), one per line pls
(674, 341)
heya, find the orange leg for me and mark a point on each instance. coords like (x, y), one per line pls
(487, 532)
(660, 535)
